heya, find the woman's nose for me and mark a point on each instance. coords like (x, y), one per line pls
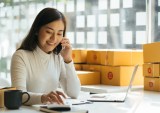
(53, 37)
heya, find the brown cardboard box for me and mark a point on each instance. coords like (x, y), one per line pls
(151, 70)
(151, 52)
(120, 75)
(93, 57)
(104, 57)
(88, 67)
(2, 94)
(79, 55)
(121, 58)
(85, 67)
(78, 66)
(89, 77)
(137, 58)
(151, 84)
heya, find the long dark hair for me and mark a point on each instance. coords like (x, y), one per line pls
(44, 17)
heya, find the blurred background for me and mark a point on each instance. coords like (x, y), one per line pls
(92, 24)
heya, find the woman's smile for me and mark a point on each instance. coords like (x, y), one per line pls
(51, 43)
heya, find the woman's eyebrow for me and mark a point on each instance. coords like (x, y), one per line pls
(53, 29)
(50, 28)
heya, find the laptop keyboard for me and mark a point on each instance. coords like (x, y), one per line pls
(114, 96)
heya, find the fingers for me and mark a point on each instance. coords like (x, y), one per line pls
(66, 43)
(65, 40)
(60, 93)
(46, 99)
(53, 97)
(66, 52)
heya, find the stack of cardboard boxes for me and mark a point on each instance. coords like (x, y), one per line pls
(117, 67)
(112, 67)
(151, 66)
(86, 76)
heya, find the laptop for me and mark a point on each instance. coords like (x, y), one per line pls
(113, 97)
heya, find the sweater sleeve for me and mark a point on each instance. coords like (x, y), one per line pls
(69, 79)
(19, 75)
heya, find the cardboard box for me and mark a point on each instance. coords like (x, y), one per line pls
(151, 70)
(78, 66)
(93, 57)
(85, 67)
(151, 84)
(120, 75)
(151, 52)
(79, 55)
(89, 77)
(89, 67)
(2, 94)
(121, 58)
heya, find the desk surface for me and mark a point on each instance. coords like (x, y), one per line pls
(138, 101)
(106, 88)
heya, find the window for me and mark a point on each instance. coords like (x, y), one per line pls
(100, 24)
(120, 22)
(156, 21)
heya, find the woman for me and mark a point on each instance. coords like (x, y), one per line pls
(37, 66)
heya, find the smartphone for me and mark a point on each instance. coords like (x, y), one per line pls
(58, 49)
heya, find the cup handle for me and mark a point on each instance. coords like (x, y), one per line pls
(27, 98)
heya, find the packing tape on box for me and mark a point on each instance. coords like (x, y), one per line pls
(153, 70)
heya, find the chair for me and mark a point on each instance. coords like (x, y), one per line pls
(4, 82)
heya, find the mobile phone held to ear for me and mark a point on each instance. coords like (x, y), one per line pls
(58, 49)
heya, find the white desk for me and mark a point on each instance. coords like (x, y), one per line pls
(138, 101)
(106, 88)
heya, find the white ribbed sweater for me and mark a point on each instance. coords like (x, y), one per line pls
(37, 73)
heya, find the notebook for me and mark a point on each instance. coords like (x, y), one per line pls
(113, 97)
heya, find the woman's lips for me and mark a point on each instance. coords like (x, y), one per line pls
(51, 43)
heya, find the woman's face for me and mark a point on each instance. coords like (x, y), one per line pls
(50, 35)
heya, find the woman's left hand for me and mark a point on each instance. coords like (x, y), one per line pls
(66, 52)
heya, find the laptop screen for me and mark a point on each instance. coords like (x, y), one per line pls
(132, 78)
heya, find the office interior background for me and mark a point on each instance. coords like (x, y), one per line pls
(92, 24)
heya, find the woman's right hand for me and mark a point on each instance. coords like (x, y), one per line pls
(53, 97)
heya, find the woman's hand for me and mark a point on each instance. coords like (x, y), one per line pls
(53, 97)
(66, 52)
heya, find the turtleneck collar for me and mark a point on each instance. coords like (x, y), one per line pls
(41, 53)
